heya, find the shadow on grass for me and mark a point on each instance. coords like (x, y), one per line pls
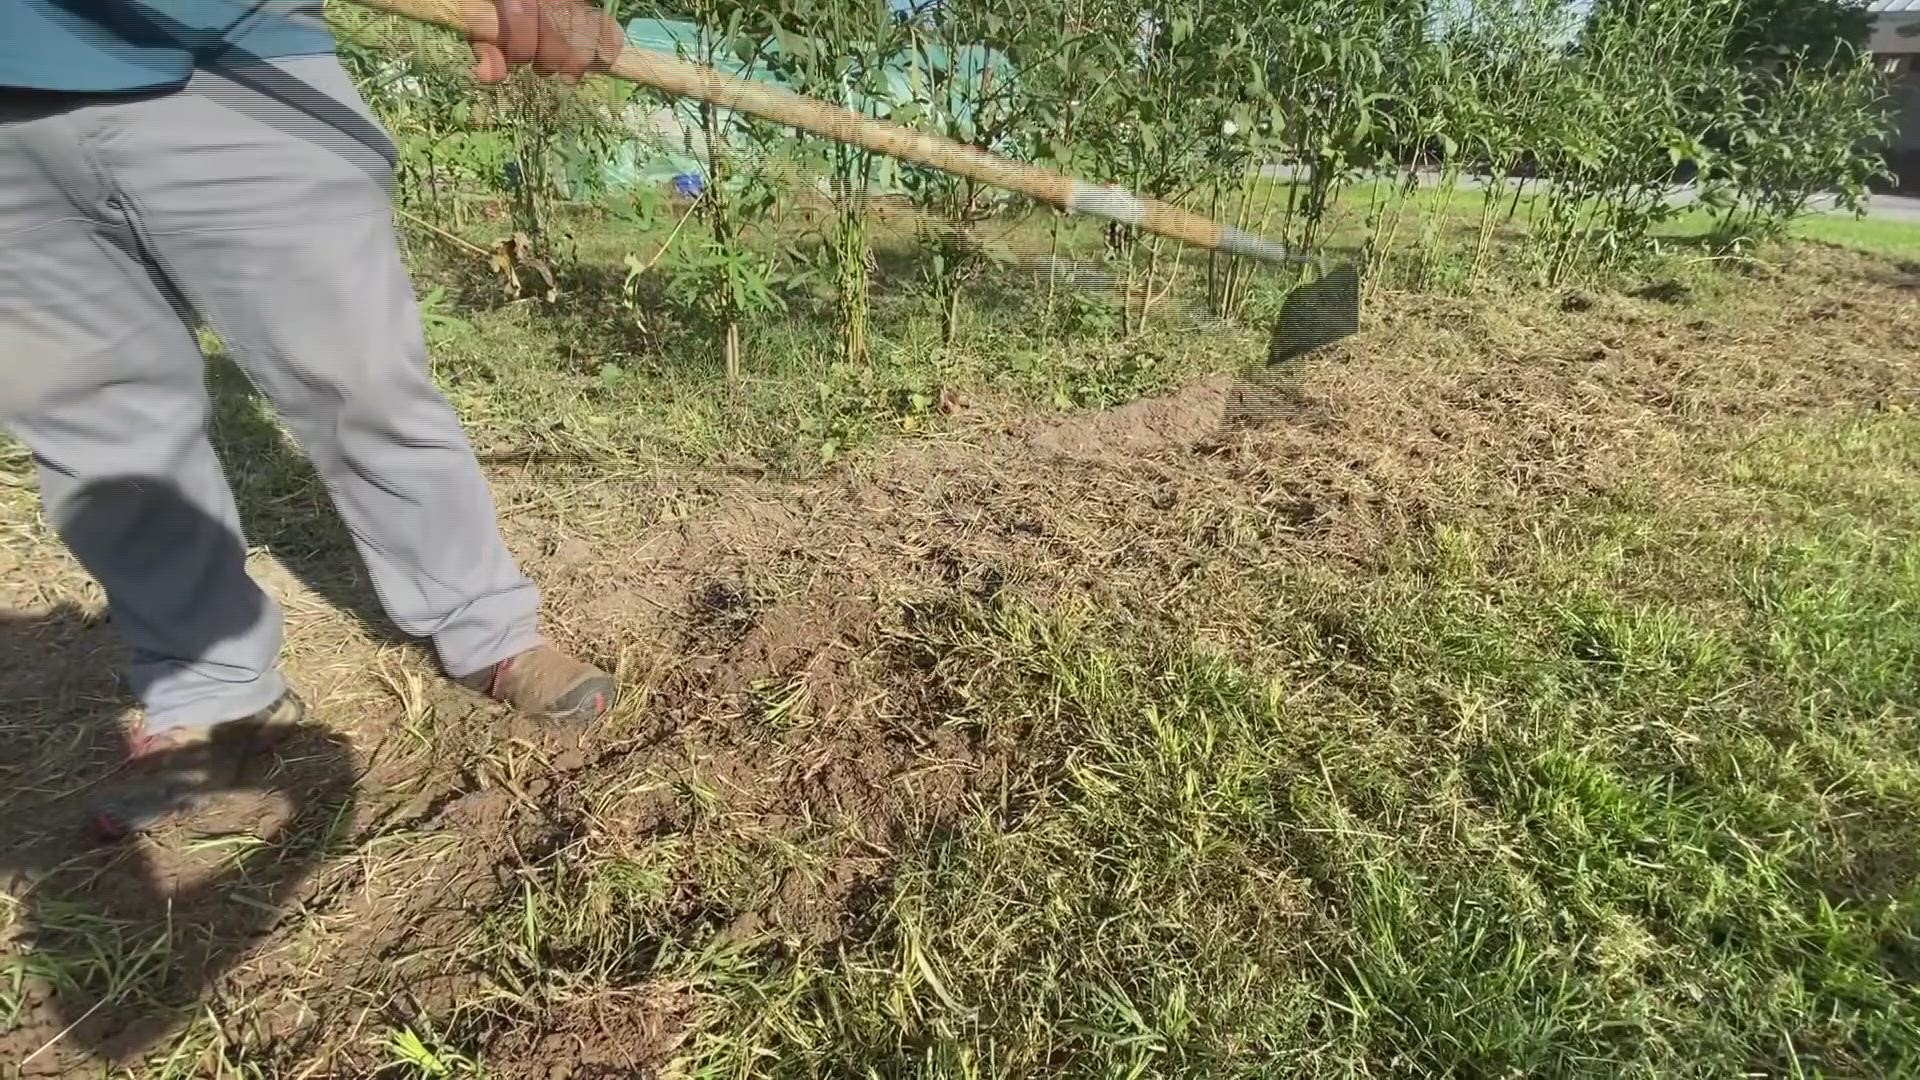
(1900, 274)
(113, 946)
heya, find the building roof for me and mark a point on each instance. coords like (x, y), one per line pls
(1895, 26)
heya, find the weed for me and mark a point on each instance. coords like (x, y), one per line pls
(416, 1054)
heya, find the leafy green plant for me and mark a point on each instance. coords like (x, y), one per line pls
(852, 401)
(550, 122)
(1625, 117)
(410, 75)
(1510, 48)
(1142, 123)
(971, 93)
(1794, 131)
(724, 274)
(727, 283)
(1591, 117)
(1329, 64)
(838, 51)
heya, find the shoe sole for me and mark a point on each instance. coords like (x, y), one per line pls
(587, 701)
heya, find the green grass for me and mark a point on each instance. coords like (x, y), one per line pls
(1878, 236)
(1636, 793)
(1459, 215)
(1511, 806)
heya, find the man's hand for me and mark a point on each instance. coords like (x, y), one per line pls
(568, 38)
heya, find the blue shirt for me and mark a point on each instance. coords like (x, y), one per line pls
(111, 46)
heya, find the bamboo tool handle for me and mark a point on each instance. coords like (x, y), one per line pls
(683, 78)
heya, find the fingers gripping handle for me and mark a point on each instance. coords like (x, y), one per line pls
(477, 19)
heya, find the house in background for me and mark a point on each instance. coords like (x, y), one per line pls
(1895, 45)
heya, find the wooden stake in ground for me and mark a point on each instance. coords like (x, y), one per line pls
(683, 78)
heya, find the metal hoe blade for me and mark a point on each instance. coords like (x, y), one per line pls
(1317, 314)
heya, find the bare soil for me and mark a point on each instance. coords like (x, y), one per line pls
(765, 631)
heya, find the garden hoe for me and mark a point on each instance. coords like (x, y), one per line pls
(1315, 314)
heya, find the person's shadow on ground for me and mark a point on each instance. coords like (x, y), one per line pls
(106, 948)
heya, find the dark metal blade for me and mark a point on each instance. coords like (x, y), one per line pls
(1317, 314)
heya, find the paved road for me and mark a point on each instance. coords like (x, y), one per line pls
(1887, 207)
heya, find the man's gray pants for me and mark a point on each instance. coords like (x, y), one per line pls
(257, 200)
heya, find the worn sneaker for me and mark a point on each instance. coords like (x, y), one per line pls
(170, 772)
(548, 683)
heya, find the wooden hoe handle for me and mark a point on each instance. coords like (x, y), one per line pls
(683, 78)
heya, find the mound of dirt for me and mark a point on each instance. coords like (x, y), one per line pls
(1177, 422)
